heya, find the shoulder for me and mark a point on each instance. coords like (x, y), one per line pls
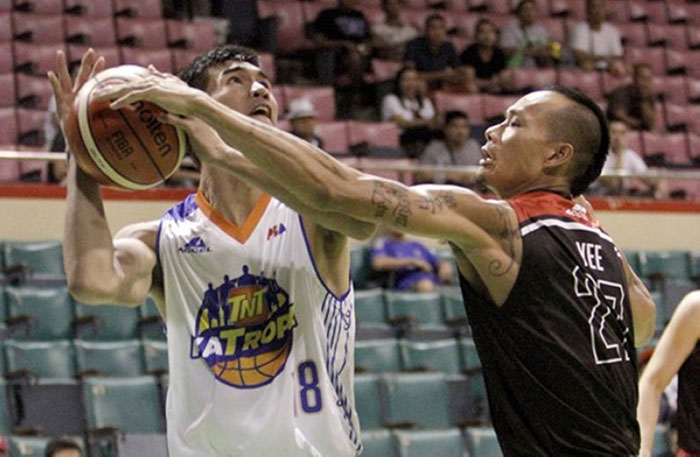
(147, 232)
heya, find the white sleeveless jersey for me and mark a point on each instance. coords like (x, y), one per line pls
(260, 351)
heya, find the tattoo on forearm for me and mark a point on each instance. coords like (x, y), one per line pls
(436, 204)
(508, 233)
(388, 197)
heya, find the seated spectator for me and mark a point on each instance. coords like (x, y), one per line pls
(408, 264)
(302, 117)
(62, 447)
(526, 43)
(596, 43)
(622, 158)
(635, 103)
(411, 110)
(456, 149)
(483, 62)
(390, 36)
(433, 55)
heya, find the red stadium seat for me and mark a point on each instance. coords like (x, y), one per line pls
(38, 28)
(500, 6)
(35, 58)
(9, 169)
(673, 88)
(571, 10)
(6, 61)
(633, 33)
(472, 104)
(495, 106)
(693, 86)
(385, 70)
(33, 170)
(291, 24)
(183, 57)
(617, 11)
(40, 6)
(676, 149)
(587, 82)
(694, 119)
(373, 166)
(30, 127)
(198, 35)
(8, 127)
(335, 136)
(610, 83)
(142, 33)
(111, 54)
(159, 58)
(322, 97)
(383, 134)
(527, 79)
(676, 116)
(654, 12)
(688, 189)
(33, 91)
(7, 90)
(654, 57)
(267, 64)
(677, 11)
(90, 8)
(138, 8)
(92, 31)
(634, 141)
(672, 36)
(676, 61)
(694, 148)
(5, 26)
(693, 37)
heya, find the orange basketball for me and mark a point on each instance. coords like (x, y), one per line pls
(127, 148)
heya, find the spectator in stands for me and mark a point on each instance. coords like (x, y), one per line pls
(524, 42)
(678, 352)
(433, 55)
(62, 447)
(408, 264)
(596, 43)
(483, 61)
(622, 158)
(302, 117)
(456, 149)
(411, 110)
(635, 103)
(389, 37)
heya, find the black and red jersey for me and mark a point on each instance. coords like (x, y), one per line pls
(558, 356)
(688, 415)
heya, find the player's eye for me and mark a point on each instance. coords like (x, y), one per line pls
(235, 79)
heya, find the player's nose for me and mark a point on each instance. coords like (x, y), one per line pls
(259, 89)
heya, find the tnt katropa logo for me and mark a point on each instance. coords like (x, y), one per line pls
(275, 230)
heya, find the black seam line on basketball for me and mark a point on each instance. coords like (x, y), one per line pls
(148, 154)
(112, 147)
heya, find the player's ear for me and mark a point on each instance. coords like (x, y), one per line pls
(560, 154)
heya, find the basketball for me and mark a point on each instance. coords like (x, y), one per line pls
(127, 148)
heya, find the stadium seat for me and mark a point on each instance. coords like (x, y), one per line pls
(675, 144)
(673, 89)
(693, 37)
(469, 355)
(155, 353)
(677, 12)
(385, 70)
(686, 189)
(8, 127)
(7, 91)
(35, 58)
(33, 91)
(495, 106)
(377, 443)
(610, 83)
(115, 358)
(654, 12)
(39, 6)
(664, 264)
(138, 445)
(673, 292)
(4, 410)
(369, 306)
(198, 36)
(555, 26)
(529, 79)
(416, 17)
(130, 404)
(617, 11)
(322, 97)
(5, 26)
(183, 57)
(482, 441)
(389, 168)
(420, 443)
(335, 137)
(151, 325)
(367, 401)
(378, 355)
(267, 64)
(43, 258)
(138, 8)
(290, 28)
(111, 54)
(7, 63)
(33, 446)
(570, 10)
(633, 34)
(441, 356)
(47, 360)
(30, 127)
(415, 399)
(378, 134)
(106, 322)
(671, 36)
(91, 31)
(680, 62)
(360, 267)
(89, 8)
(142, 33)
(414, 307)
(661, 321)
(159, 58)
(38, 28)
(470, 104)
(587, 82)
(654, 57)
(453, 306)
(39, 313)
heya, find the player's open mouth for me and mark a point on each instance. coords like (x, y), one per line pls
(486, 157)
(262, 110)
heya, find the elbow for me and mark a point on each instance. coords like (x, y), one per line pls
(88, 291)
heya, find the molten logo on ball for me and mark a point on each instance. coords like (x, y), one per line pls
(244, 330)
(155, 128)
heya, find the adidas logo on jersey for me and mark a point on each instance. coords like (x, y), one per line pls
(275, 230)
(195, 246)
(577, 211)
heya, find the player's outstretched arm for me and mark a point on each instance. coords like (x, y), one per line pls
(98, 270)
(677, 342)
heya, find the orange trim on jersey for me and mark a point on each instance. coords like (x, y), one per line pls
(241, 234)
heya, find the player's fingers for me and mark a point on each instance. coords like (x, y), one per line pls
(183, 122)
(97, 67)
(62, 69)
(129, 98)
(85, 68)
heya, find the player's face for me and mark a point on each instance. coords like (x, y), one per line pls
(618, 136)
(516, 150)
(245, 88)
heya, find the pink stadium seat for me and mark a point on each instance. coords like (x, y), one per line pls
(693, 37)
(5, 5)
(556, 27)
(373, 14)
(633, 33)
(676, 116)
(183, 57)
(495, 106)
(472, 104)
(33, 91)
(8, 127)
(654, 12)
(278, 92)
(677, 11)
(7, 90)
(40, 6)
(92, 31)
(142, 33)
(198, 35)
(653, 144)
(111, 54)
(334, 135)
(676, 149)
(690, 189)
(6, 61)
(267, 64)
(35, 58)
(676, 61)
(290, 27)
(572, 10)
(159, 58)
(37, 169)
(322, 97)
(617, 11)
(30, 126)
(694, 148)
(373, 166)
(610, 83)
(138, 8)
(385, 70)
(672, 36)
(634, 141)
(38, 28)
(693, 86)
(5, 26)
(694, 119)
(654, 57)
(90, 8)
(9, 169)
(384, 134)
(587, 82)
(500, 20)
(500, 6)
(673, 88)
(525, 79)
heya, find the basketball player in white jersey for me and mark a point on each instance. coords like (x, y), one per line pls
(256, 293)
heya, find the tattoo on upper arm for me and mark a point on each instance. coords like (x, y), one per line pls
(443, 199)
(508, 233)
(387, 197)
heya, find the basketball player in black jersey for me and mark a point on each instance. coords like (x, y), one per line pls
(554, 307)
(678, 352)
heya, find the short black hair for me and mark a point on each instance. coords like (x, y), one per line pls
(60, 444)
(585, 127)
(434, 17)
(195, 74)
(454, 114)
(522, 3)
